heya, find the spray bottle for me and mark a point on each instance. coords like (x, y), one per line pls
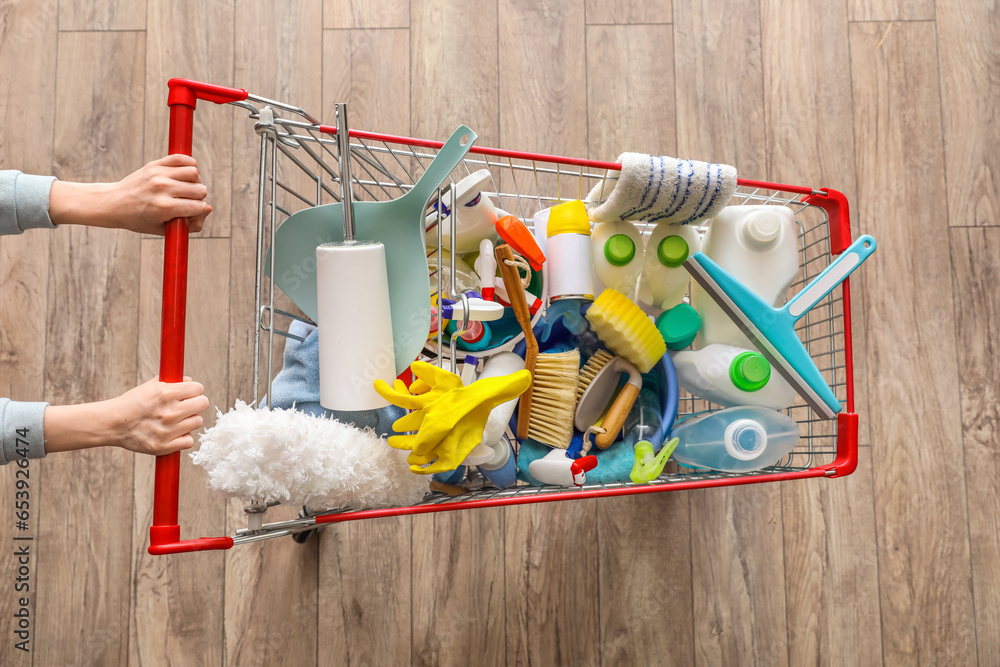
(569, 266)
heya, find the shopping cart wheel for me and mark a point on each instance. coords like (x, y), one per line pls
(304, 535)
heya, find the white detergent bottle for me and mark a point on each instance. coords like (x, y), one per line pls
(731, 376)
(739, 439)
(757, 245)
(617, 252)
(663, 273)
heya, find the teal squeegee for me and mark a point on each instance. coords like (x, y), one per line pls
(772, 330)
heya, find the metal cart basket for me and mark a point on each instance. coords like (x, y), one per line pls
(298, 168)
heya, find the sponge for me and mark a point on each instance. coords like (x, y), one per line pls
(623, 327)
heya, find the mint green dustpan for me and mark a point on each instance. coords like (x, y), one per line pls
(398, 224)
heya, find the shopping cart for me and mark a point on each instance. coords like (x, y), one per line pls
(298, 168)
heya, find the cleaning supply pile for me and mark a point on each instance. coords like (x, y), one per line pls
(571, 337)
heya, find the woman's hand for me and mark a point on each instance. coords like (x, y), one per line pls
(157, 417)
(143, 202)
(154, 418)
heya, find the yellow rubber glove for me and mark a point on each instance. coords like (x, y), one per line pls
(430, 384)
(448, 424)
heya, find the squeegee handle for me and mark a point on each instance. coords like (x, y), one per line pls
(832, 276)
(164, 534)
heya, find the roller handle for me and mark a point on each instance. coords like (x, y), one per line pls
(164, 534)
(515, 292)
(615, 419)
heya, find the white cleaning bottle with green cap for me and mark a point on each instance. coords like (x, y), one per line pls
(617, 252)
(732, 376)
(756, 245)
(664, 280)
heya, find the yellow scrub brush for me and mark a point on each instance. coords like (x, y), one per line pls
(623, 327)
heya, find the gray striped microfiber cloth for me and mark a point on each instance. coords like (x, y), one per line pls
(663, 190)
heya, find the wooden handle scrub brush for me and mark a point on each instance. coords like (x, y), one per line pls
(600, 376)
(545, 411)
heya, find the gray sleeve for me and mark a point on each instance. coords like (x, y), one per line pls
(24, 201)
(21, 430)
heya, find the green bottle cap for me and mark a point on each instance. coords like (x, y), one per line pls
(672, 251)
(749, 371)
(679, 326)
(619, 250)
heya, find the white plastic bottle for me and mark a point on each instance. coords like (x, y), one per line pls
(736, 439)
(502, 363)
(666, 250)
(757, 245)
(617, 252)
(731, 376)
(477, 215)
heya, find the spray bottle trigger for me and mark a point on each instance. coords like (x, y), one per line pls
(580, 467)
(647, 466)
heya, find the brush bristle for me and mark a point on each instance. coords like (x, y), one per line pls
(623, 327)
(591, 369)
(553, 398)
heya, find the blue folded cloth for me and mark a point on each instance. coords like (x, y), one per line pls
(298, 385)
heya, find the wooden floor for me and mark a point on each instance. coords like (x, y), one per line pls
(894, 103)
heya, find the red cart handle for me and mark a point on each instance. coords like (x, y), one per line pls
(165, 533)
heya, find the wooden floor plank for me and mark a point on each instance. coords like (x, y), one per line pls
(193, 40)
(641, 571)
(552, 611)
(453, 69)
(458, 588)
(102, 15)
(969, 57)
(458, 557)
(975, 257)
(365, 583)
(831, 568)
(891, 10)
(720, 112)
(177, 603)
(366, 14)
(627, 12)
(924, 568)
(829, 527)
(27, 73)
(85, 537)
(370, 71)
(271, 592)
(632, 107)
(736, 535)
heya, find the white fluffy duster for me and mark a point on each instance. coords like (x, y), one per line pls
(297, 459)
